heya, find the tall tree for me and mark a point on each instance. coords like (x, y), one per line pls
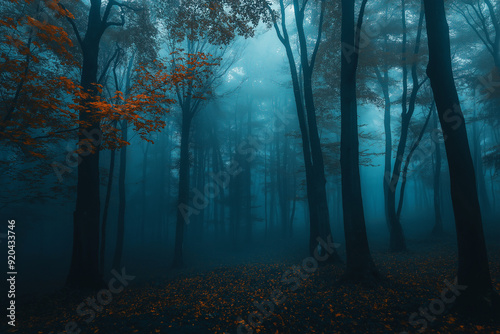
(201, 27)
(319, 218)
(360, 266)
(84, 271)
(397, 239)
(473, 267)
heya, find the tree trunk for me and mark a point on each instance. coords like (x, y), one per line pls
(183, 195)
(84, 268)
(384, 83)
(397, 239)
(143, 193)
(360, 266)
(473, 267)
(438, 221)
(407, 164)
(117, 259)
(106, 209)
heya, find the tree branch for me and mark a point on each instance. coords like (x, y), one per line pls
(108, 64)
(73, 25)
(320, 31)
(53, 133)
(275, 23)
(110, 6)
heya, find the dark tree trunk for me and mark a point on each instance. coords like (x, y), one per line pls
(473, 267)
(438, 221)
(319, 220)
(143, 191)
(360, 266)
(384, 83)
(105, 211)
(318, 167)
(407, 164)
(120, 234)
(397, 239)
(84, 268)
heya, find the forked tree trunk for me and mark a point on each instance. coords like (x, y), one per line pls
(397, 238)
(319, 220)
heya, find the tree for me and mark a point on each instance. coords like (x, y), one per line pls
(201, 28)
(84, 270)
(360, 266)
(397, 239)
(482, 17)
(319, 219)
(473, 267)
(55, 107)
(33, 97)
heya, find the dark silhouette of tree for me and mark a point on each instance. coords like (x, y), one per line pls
(360, 266)
(473, 267)
(319, 218)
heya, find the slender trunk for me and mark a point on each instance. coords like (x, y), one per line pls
(144, 200)
(360, 266)
(384, 83)
(183, 195)
(248, 182)
(438, 221)
(105, 211)
(265, 189)
(397, 239)
(407, 164)
(318, 178)
(120, 234)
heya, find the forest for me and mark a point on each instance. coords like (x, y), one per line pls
(250, 166)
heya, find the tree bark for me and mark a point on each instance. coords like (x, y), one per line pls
(84, 268)
(105, 213)
(117, 259)
(359, 265)
(438, 221)
(473, 267)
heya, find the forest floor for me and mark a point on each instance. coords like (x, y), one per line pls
(221, 299)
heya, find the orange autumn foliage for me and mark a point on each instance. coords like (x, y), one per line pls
(42, 103)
